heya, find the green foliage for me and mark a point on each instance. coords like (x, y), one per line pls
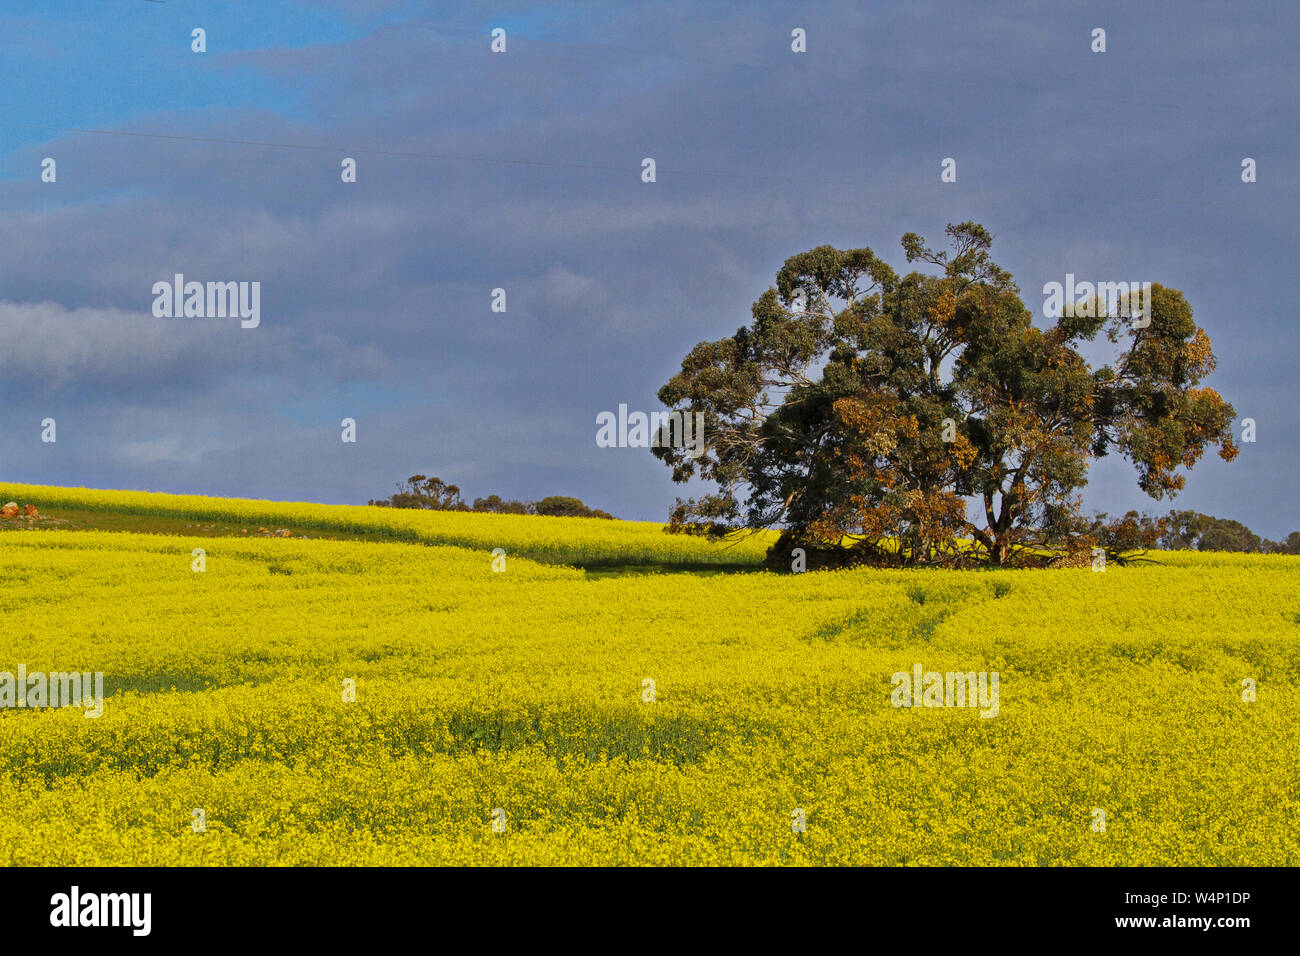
(434, 494)
(561, 506)
(428, 494)
(1227, 535)
(1191, 529)
(859, 402)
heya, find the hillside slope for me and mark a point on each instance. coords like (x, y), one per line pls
(587, 542)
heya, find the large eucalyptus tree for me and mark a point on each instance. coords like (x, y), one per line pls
(861, 403)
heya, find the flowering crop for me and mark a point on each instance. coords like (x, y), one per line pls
(525, 691)
(583, 541)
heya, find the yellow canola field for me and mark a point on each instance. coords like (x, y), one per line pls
(580, 541)
(524, 691)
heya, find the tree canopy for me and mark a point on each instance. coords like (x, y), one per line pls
(863, 406)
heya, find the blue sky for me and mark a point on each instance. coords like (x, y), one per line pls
(376, 295)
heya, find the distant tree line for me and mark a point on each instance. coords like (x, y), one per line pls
(1190, 529)
(434, 494)
(1180, 531)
